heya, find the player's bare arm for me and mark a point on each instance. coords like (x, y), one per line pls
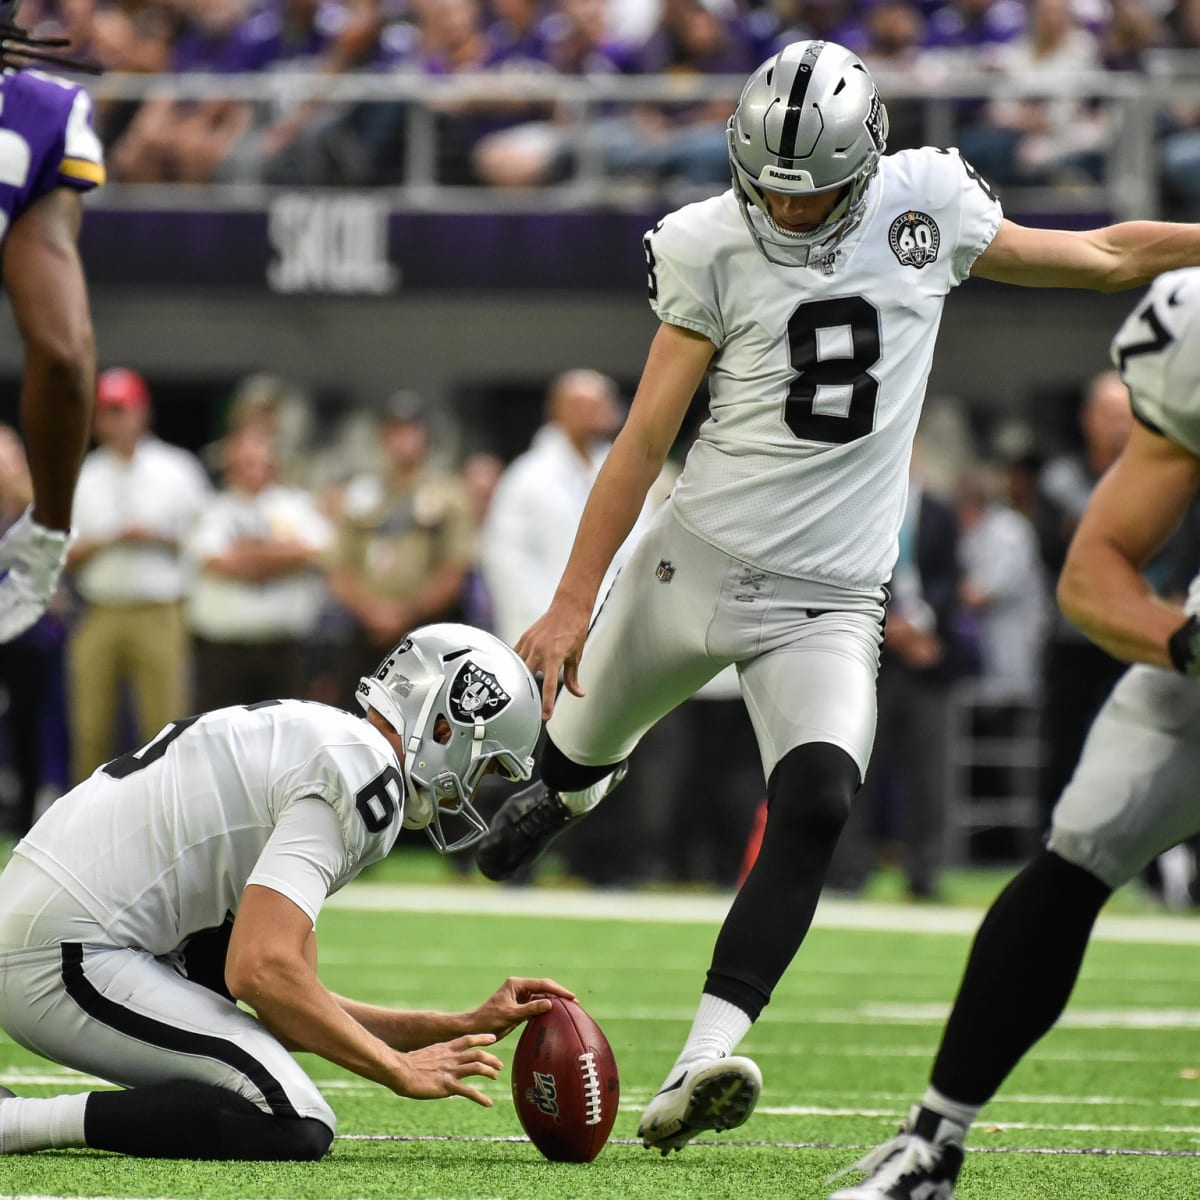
(1110, 259)
(269, 967)
(513, 1003)
(675, 366)
(1133, 511)
(45, 283)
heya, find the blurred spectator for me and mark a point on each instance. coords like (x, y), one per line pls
(530, 526)
(405, 543)
(282, 413)
(547, 151)
(970, 32)
(136, 502)
(257, 593)
(31, 691)
(904, 795)
(1030, 140)
(480, 473)
(1132, 28)
(895, 43)
(1004, 585)
(840, 21)
(1078, 674)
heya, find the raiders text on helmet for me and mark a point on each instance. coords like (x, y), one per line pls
(492, 710)
(809, 120)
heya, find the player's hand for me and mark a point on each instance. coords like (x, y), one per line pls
(554, 643)
(514, 1002)
(31, 560)
(436, 1071)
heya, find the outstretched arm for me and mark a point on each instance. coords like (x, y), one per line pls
(1110, 259)
(270, 966)
(1132, 512)
(676, 364)
(513, 1003)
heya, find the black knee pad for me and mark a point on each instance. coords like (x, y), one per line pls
(560, 774)
(810, 790)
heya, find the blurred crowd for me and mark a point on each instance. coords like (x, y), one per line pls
(513, 141)
(285, 558)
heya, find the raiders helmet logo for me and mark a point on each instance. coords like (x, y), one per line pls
(476, 693)
(876, 123)
(914, 239)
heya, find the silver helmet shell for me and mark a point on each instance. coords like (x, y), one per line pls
(809, 120)
(491, 705)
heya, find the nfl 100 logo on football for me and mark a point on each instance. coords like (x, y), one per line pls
(544, 1093)
(476, 693)
(914, 239)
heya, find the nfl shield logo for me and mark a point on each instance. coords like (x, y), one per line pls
(476, 693)
(664, 571)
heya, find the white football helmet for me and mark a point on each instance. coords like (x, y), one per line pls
(809, 120)
(492, 708)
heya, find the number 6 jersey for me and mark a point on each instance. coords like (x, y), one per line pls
(159, 844)
(802, 465)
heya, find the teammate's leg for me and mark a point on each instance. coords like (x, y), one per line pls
(1131, 797)
(808, 800)
(811, 699)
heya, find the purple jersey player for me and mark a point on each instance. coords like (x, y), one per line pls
(49, 155)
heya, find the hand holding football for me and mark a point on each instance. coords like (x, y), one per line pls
(564, 1083)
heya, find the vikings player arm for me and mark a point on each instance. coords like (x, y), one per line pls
(676, 364)
(270, 966)
(1110, 259)
(44, 280)
(1132, 512)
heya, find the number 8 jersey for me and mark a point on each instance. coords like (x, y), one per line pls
(802, 465)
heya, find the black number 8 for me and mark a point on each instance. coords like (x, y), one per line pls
(814, 370)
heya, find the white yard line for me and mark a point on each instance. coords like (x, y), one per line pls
(685, 909)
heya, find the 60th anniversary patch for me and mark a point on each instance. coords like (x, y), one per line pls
(914, 238)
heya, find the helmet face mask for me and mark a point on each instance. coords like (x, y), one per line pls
(465, 705)
(809, 121)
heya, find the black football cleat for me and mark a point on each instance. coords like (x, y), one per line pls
(524, 825)
(921, 1163)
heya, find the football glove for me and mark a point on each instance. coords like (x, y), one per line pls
(1184, 647)
(31, 560)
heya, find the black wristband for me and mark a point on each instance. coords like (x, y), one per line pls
(1182, 646)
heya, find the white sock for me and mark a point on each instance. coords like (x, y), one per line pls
(584, 801)
(27, 1124)
(960, 1114)
(717, 1029)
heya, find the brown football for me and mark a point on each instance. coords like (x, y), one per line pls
(564, 1083)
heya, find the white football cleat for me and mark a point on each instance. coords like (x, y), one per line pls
(715, 1094)
(31, 560)
(921, 1162)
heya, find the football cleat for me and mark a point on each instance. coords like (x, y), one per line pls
(717, 1094)
(921, 1163)
(524, 825)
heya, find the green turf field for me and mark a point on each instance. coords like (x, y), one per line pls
(1108, 1107)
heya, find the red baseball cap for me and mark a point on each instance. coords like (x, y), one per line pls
(119, 387)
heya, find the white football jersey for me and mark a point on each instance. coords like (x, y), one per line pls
(1157, 351)
(160, 844)
(802, 465)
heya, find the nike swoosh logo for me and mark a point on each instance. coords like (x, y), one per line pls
(672, 1086)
